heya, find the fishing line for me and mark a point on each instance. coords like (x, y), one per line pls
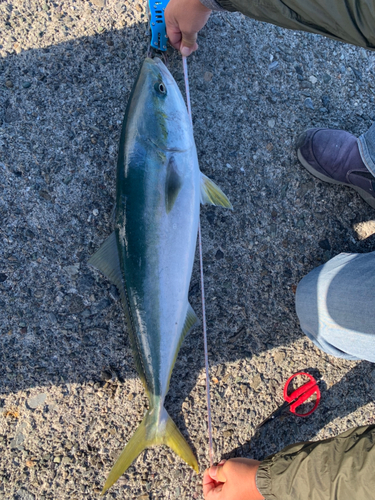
(211, 451)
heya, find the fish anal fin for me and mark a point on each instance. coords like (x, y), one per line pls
(211, 194)
(173, 184)
(191, 320)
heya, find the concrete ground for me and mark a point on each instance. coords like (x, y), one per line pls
(69, 396)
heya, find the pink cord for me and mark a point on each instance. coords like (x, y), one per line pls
(211, 451)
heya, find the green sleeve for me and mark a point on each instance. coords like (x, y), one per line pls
(350, 21)
(339, 468)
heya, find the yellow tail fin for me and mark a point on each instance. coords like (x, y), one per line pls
(156, 428)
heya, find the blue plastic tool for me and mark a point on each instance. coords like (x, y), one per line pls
(157, 24)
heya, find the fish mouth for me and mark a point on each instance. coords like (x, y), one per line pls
(164, 148)
(156, 61)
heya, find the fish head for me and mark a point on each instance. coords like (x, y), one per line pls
(166, 121)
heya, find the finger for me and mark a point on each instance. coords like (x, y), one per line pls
(174, 36)
(209, 484)
(186, 51)
(188, 43)
(217, 473)
(215, 493)
(208, 479)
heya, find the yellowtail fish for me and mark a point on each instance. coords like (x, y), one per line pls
(150, 254)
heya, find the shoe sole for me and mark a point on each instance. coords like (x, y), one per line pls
(370, 200)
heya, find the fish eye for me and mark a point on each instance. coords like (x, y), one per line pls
(160, 88)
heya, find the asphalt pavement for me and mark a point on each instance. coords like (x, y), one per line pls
(70, 397)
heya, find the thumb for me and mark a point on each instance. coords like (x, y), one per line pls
(217, 473)
(188, 43)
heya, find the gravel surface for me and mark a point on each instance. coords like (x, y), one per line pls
(70, 397)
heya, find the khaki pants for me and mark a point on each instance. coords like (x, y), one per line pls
(350, 21)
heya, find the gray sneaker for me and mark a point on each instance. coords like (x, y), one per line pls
(333, 156)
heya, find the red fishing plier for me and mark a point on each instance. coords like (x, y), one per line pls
(293, 399)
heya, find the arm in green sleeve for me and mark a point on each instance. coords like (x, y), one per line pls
(350, 21)
(339, 468)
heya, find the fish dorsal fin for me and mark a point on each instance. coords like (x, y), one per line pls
(107, 261)
(173, 184)
(211, 194)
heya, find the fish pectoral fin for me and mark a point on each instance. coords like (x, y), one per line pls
(211, 194)
(107, 261)
(151, 432)
(173, 184)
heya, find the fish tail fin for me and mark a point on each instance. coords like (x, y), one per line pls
(176, 441)
(151, 432)
(138, 442)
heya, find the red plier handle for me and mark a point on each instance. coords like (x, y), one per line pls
(302, 394)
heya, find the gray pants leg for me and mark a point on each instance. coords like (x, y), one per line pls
(335, 304)
(350, 21)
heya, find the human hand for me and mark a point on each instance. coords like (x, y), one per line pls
(232, 480)
(183, 19)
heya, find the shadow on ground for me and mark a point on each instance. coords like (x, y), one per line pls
(355, 389)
